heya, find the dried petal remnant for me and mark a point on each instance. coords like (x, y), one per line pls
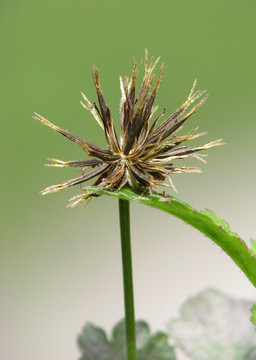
(144, 154)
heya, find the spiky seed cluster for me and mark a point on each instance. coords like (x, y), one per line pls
(144, 155)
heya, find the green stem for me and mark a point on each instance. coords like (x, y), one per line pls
(124, 218)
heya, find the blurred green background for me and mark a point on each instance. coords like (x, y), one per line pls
(61, 267)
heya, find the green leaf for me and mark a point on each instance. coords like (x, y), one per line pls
(253, 244)
(119, 336)
(205, 221)
(213, 325)
(253, 317)
(157, 348)
(94, 344)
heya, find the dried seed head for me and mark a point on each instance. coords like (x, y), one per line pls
(143, 156)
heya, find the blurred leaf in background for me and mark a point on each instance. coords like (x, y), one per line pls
(214, 325)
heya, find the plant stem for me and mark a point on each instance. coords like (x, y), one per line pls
(124, 218)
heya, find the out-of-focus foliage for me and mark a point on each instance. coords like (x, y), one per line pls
(94, 344)
(213, 325)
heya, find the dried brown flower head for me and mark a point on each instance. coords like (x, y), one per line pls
(144, 155)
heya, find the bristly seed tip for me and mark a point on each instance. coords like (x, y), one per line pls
(143, 156)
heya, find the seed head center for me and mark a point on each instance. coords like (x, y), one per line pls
(123, 159)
